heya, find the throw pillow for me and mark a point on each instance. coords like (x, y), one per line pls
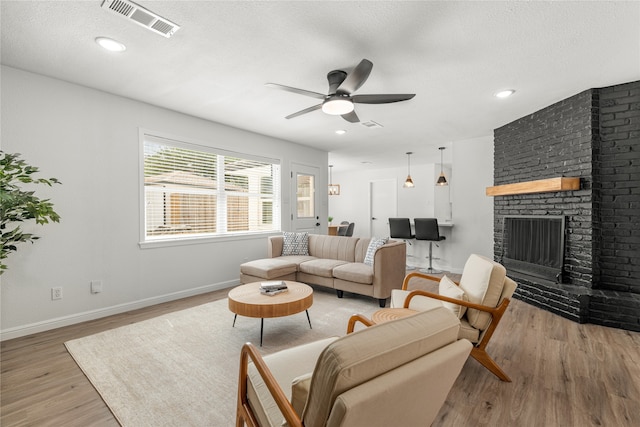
(449, 289)
(295, 243)
(374, 244)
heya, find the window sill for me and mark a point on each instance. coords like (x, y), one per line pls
(187, 241)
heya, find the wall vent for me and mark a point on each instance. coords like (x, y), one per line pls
(371, 124)
(141, 16)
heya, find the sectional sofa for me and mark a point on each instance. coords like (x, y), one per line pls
(336, 262)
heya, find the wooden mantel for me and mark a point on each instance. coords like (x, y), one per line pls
(539, 186)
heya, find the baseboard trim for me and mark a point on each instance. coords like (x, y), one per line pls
(72, 319)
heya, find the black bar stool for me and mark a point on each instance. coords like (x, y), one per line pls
(400, 228)
(427, 229)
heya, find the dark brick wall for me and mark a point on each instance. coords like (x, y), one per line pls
(619, 178)
(594, 135)
(556, 141)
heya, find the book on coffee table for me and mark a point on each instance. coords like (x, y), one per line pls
(274, 285)
(272, 292)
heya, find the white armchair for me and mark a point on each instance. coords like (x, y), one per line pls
(395, 373)
(480, 300)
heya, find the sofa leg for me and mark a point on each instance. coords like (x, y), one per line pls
(340, 293)
(382, 302)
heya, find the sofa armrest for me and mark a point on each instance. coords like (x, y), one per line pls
(389, 268)
(274, 246)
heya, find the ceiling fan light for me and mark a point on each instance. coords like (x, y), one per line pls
(337, 106)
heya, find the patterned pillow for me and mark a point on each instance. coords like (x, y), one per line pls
(449, 289)
(373, 247)
(295, 243)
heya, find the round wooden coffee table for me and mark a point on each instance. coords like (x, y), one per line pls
(246, 300)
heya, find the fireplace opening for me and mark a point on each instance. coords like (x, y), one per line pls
(534, 246)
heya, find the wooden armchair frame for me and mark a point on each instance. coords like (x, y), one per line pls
(244, 413)
(478, 351)
(358, 318)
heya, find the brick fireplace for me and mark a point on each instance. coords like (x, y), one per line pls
(593, 136)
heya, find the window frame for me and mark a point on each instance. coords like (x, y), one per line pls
(186, 239)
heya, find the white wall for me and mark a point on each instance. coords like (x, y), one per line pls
(472, 209)
(353, 203)
(89, 140)
(464, 201)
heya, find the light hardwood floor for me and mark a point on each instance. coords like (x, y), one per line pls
(564, 374)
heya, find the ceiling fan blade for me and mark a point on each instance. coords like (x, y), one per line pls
(381, 98)
(351, 117)
(296, 90)
(356, 78)
(305, 111)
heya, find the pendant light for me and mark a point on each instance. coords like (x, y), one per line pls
(442, 180)
(408, 183)
(334, 189)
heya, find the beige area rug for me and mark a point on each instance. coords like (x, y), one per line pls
(181, 369)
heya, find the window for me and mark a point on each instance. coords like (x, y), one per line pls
(305, 196)
(196, 191)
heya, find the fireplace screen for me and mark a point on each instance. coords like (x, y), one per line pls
(534, 245)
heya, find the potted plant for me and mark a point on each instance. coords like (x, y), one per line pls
(18, 205)
(330, 219)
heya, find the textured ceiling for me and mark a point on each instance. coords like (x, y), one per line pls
(452, 55)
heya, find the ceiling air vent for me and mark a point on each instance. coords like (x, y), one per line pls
(141, 16)
(371, 124)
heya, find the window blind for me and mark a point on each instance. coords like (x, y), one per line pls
(192, 191)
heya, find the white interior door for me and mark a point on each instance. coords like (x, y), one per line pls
(384, 205)
(305, 215)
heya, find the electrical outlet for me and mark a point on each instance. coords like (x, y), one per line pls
(96, 286)
(56, 293)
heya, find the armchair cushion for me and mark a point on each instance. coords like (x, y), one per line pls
(285, 366)
(410, 395)
(449, 289)
(468, 332)
(357, 358)
(482, 280)
(300, 391)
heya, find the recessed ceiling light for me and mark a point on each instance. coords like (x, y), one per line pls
(504, 93)
(341, 131)
(110, 44)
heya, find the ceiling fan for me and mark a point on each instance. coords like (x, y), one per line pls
(340, 99)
